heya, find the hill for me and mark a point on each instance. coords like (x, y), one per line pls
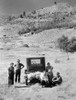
(57, 16)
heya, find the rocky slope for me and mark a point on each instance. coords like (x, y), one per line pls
(57, 16)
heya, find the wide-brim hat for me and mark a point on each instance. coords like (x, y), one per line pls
(58, 73)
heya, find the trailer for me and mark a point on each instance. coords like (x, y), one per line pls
(35, 64)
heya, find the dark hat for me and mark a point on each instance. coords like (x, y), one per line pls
(48, 63)
(11, 63)
(25, 70)
(18, 59)
(58, 73)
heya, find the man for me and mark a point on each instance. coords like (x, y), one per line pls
(57, 80)
(18, 66)
(11, 74)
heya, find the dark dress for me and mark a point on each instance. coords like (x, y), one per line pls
(11, 76)
(49, 74)
(50, 77)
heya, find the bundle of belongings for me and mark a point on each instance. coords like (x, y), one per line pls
(45, 78)
(35, 77)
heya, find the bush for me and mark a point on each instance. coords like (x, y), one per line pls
(24, 13)
(34, 12)
(21, 16)
(10, 18)
(72, 45)
(63, 42)
(26, 45)
(67, 45)
(24, 31)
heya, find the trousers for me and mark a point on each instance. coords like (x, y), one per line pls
(17, 76)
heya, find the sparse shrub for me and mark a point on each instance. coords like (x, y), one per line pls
(27, 30)
(4, 35)
(63, 43)
(26, 45)
(72, 45)
(55, 2)
(33, 28)
(21, 32)
(39, 16)
(34, 12)
(29, 16)
(21, 16)
(32, 32)
(24, 31)
(9, 18)
(24, 13)
(67, 45)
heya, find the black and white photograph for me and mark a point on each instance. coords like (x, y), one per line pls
(37, 49)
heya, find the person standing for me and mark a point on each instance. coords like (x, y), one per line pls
(48, 67)
(18, 66)
(49, 73)
(11, 74)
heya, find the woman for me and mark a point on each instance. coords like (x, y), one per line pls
(49, 72)
(11, 74)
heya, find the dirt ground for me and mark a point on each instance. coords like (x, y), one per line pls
(13, 47)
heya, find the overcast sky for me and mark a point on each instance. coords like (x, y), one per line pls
(18, 6)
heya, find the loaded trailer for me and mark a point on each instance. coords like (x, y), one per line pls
(34, 67)
(35, 64)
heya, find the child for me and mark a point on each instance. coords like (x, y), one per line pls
(26, 78)
(11, 74)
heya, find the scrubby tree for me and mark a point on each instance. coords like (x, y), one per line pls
(24, 31)
(72, 45)
(21, 16)
(34, 12)
(63, 44)
(24, 13)
(55, 2)
(67, 45)
(9, 18)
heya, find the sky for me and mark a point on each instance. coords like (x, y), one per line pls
(18, 6)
